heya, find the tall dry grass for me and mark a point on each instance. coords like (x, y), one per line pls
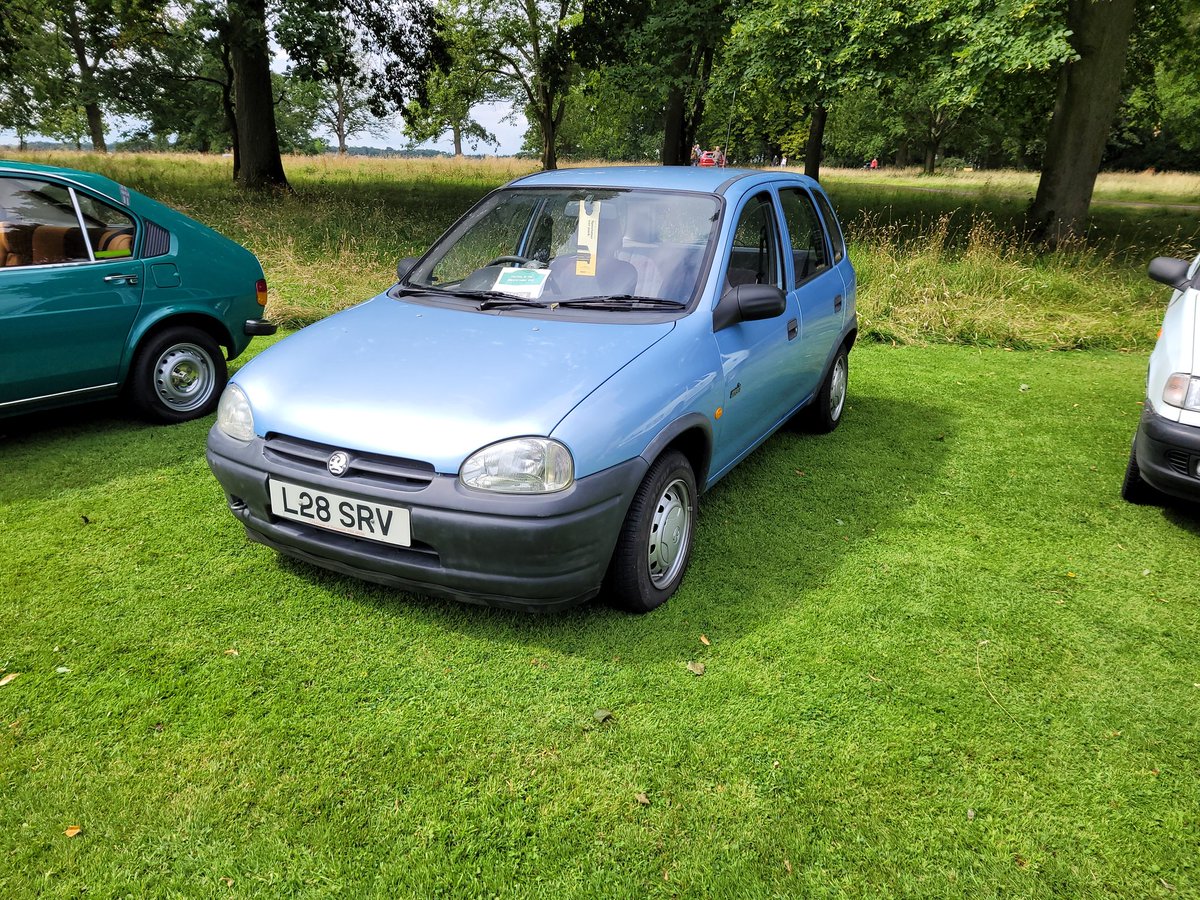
(932, 268)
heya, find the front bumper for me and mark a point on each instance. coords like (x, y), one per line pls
(536, 552)
(1168, 455)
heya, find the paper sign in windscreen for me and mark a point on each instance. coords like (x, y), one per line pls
(587, 238)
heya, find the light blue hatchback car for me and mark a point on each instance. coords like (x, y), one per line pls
(528, 417)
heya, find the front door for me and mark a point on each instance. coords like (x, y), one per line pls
(757, 358)
(69, 290)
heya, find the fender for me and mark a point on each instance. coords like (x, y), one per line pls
(234, 344)
(700, 456)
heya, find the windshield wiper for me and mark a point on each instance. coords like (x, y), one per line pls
(623, 301)
(488, 299)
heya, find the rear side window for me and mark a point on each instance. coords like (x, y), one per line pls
(110, 230)
(835, 231)
(809, 255)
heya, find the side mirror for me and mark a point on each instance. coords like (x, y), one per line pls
(1170, 271)
(405, 266)
(748, 303)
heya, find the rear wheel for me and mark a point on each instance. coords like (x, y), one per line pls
(178, 375)
(655, 544)
(825, 412)
(1133, 488)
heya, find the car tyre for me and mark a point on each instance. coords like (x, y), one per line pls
(177, 375)
(1134, 489)
(825, 411)
(655, 543)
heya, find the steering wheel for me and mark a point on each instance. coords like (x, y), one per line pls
(519, 260)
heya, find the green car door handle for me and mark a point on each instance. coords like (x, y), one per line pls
(128, 279)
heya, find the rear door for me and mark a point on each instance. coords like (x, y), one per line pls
(70, 289)
(815, 285)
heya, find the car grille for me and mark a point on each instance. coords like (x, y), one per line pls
(1179, 461)
(364, 468)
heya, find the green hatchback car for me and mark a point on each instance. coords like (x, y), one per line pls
(104, 292)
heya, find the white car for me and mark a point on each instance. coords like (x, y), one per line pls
(1165, 459)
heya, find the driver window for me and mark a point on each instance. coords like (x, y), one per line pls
(754, 258)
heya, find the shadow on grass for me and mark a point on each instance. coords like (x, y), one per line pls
(772, 530)
(46, 453)
(1184, 515)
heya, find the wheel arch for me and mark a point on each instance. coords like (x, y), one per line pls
(691, 435)
(210, 325)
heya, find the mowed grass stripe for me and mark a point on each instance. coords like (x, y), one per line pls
(948, 610)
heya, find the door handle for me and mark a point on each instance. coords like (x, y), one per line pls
(793, 329)
(837, 303)
(113, 279)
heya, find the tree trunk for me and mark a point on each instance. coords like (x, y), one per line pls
(931, 150)
(816, 142)
(340, 131)
(95, 127)
(549, 143)
(87, 81)
(1089, 90)
(902, 154)
(260, 165)
(456, 128)
(674, 153)
(227, 104)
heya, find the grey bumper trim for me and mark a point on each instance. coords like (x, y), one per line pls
(525, 552)
(1156, 437)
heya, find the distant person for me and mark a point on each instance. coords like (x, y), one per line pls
(775, 161)
(695, 154)
(874, 163)
(719, 156)
(783, 163)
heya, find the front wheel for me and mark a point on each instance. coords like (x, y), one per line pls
(655, 544)
(825, 412)
(178, 375)
(1134, 489)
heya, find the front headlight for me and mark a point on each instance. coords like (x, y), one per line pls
(1182, 390)
(520, 466)
(234, 416)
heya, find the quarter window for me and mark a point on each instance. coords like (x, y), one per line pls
(809, 255)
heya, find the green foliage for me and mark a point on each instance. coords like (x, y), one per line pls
(454, 88)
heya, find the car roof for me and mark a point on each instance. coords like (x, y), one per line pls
(90, 180)
(711, 180)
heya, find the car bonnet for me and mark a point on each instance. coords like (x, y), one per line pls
(433, 384)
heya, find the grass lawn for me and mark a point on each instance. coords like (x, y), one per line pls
(942, 659)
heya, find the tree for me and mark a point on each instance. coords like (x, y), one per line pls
(453, 88)
(529, 46)
(672, 49)
(1088, 93)
(260, 165)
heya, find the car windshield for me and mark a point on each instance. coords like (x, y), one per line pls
(545, 246)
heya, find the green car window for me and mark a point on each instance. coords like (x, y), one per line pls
(110, 230)
(38, 225)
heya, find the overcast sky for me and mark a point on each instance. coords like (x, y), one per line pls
(489, 115)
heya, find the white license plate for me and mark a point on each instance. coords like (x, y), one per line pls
(347, 515)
